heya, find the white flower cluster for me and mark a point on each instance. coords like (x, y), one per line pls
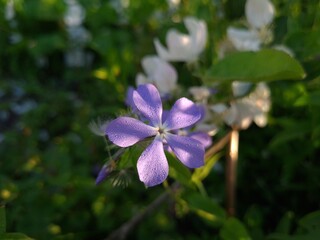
(243, 111)
(180, 48)
(259, 15)
(247, 106)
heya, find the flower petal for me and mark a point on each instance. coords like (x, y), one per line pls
(179, 45)
(259, 13)
(150, 64)
(165, 115)
(161, 50)
(126, 131)
(244, 40)
(184, 113)
(104, 172)
(188, 150)
(202, 137)
(241, 113)
(198, 32)
(152, 165)
(147, 100)
(129, 99)
(261, 120)
(200, 94)
(239, 89)
(141, 79)
(160, 72)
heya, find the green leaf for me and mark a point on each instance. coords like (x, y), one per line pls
(309, 236)
(206, 208)
(49, 10)
(233, 229)
(2, 219)
(285, 223)
(15, 236)
(133, 155)
(48, 43)
(265, 65)
(291, 133)
(311, 221)
(253, 219)
(305, 43)
(314, 98)
(202, 172)
(179, 172)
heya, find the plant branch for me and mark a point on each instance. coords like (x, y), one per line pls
(231, 172)
(218, 146)
(122, 232)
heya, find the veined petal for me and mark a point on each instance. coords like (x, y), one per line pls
(188, 150)
(148, 102)
(126, 131)
(259, 13)
(184, 113)
(202, 137)
(165, 115)
(152, 165)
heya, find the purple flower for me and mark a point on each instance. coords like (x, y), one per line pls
(152, 165)
(103, 173)
(202, 137)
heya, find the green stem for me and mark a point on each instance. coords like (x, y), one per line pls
(201, 188)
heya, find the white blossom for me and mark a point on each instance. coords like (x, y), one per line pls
(243, 39)
(243, 111)
(240, 88)
(158, 72)
(200, 94)
(259, 13)
(184, 47)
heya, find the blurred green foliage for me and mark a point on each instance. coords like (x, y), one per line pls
(49, 157)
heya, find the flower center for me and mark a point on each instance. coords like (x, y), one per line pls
(162, 131)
